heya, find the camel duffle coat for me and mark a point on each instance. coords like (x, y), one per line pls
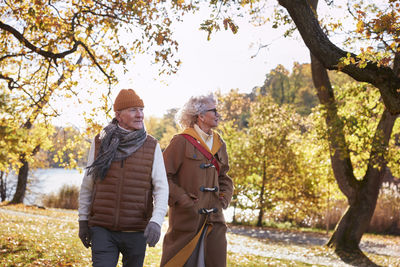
(189, 172)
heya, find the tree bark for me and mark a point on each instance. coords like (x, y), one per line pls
(354, 223)
(340, 156)
(356, 219)
(262, 192)
(382, 77)
(22, 182)
(362, 195)
(234, 213)
(3, 187)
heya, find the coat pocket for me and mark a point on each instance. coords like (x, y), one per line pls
(192, 153)
(184, 219)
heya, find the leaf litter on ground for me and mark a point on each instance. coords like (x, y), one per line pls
(307, 247)
(48, 237)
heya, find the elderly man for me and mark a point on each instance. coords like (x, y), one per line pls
(196, 162)
(125, 173)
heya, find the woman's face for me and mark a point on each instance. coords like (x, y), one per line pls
(210, 117)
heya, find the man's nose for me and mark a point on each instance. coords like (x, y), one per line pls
(139, 114)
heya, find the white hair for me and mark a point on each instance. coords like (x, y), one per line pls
(187, 115)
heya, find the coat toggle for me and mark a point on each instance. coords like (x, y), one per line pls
(208, 189)
(208, 211)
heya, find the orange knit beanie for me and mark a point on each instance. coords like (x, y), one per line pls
(127, 98)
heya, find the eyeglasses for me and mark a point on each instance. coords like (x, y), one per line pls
(213, 109)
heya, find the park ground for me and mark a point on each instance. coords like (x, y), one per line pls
(30, 236)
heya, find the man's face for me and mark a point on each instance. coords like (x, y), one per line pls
(130, 118)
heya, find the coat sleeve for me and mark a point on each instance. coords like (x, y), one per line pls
(225, 182)
(173, 158)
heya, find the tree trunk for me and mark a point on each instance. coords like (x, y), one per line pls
(327, 214)
(22, 182)
(262, 191)
(23, 178)
(234, 213)
(339, 152)
(354, 223)
(3, 187)
(362, 195)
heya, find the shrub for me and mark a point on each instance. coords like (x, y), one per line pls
(386, 218)
(66, 198)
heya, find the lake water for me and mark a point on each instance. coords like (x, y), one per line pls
(46, 181)
(52, 179)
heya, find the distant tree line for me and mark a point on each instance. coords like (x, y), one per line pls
(69, 149)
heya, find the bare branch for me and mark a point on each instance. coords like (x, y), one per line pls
(109, 77)
(44, 100)
(330, 55)
(58, 12)
(11, 83)
(114, 17)
(47, 54)
(11, 55)
(259, 49)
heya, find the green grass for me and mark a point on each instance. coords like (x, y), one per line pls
(50, 238)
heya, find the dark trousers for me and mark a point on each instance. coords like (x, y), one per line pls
(106, 246)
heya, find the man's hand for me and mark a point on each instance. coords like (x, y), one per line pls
(84, 234)
(152, 233)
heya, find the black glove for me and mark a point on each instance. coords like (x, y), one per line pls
(152, 233)
(84, 234)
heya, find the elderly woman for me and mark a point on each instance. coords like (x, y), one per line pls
(196, 162)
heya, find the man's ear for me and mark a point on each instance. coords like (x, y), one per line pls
(117, 115)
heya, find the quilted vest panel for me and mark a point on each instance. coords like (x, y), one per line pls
(123, 201)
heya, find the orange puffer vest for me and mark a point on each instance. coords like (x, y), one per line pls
(123, 201)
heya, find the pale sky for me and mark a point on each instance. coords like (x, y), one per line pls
(223, 63)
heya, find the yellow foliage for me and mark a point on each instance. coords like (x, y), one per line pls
(360, 26)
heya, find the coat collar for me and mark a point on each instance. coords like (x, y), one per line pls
(216, 140)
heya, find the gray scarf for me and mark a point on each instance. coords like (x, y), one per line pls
(116, 144)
